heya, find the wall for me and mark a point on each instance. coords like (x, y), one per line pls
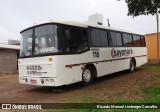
(151, 41)
(8, 61)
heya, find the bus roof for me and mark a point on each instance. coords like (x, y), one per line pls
(82, 24)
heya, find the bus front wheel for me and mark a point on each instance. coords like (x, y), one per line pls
(87, 77)
(132, 66)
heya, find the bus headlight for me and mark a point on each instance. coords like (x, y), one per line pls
(47, 81)
(42, 81)
(26, 80)
(49, 59)
(52, 81)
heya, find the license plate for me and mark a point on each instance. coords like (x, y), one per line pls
(32, 81)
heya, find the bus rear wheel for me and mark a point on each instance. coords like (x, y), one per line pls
(132, 66)
(87, 77)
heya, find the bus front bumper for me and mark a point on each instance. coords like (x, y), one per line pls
(41, 81)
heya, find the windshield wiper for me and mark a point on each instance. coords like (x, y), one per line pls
(27, 52)
(36, 45)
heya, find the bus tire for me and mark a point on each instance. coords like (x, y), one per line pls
(87, 77)
(132, 66)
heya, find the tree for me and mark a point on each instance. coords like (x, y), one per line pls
(143, 7)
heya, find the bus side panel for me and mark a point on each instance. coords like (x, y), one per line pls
(67, 74)
(73, 64)
(140, 61)
(74, 74)
(116, 64)
(109, 67)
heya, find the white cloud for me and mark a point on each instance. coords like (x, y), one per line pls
(17, 14)
(4, 32)
(5, 35)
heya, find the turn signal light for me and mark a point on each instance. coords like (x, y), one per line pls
(49, 59)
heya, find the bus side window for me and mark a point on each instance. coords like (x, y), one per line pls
(84, 38)
(68, 37)
(76, 40)
(119, 39)
(103, 38)
(127, 40)
(95, 37)
(137, 41)
(143, 41)
(130, 40)
(113, 40)
(68, 41)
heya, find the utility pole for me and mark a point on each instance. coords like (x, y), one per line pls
(157, 17)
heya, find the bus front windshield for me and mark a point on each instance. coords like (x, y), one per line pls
(40, 40)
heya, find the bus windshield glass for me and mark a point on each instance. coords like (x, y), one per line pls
(44, 41)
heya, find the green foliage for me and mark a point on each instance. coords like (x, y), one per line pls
(87, 98)
(143, 7)
(151, 68)
(153, 95)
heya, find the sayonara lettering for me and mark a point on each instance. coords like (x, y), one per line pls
(120, 53)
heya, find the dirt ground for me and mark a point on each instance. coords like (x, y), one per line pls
(109, 88)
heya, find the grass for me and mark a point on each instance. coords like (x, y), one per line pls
(72, 100)
(87, 98)
(152, 68)
(152, 95)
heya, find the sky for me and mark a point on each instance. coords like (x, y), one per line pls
(17, 15)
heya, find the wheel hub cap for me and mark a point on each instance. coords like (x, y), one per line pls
(87, 75)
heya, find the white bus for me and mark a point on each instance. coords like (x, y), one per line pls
(62, 53)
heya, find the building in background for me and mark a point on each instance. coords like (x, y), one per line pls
(13, 42)
(151, 40)
(8, 57)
